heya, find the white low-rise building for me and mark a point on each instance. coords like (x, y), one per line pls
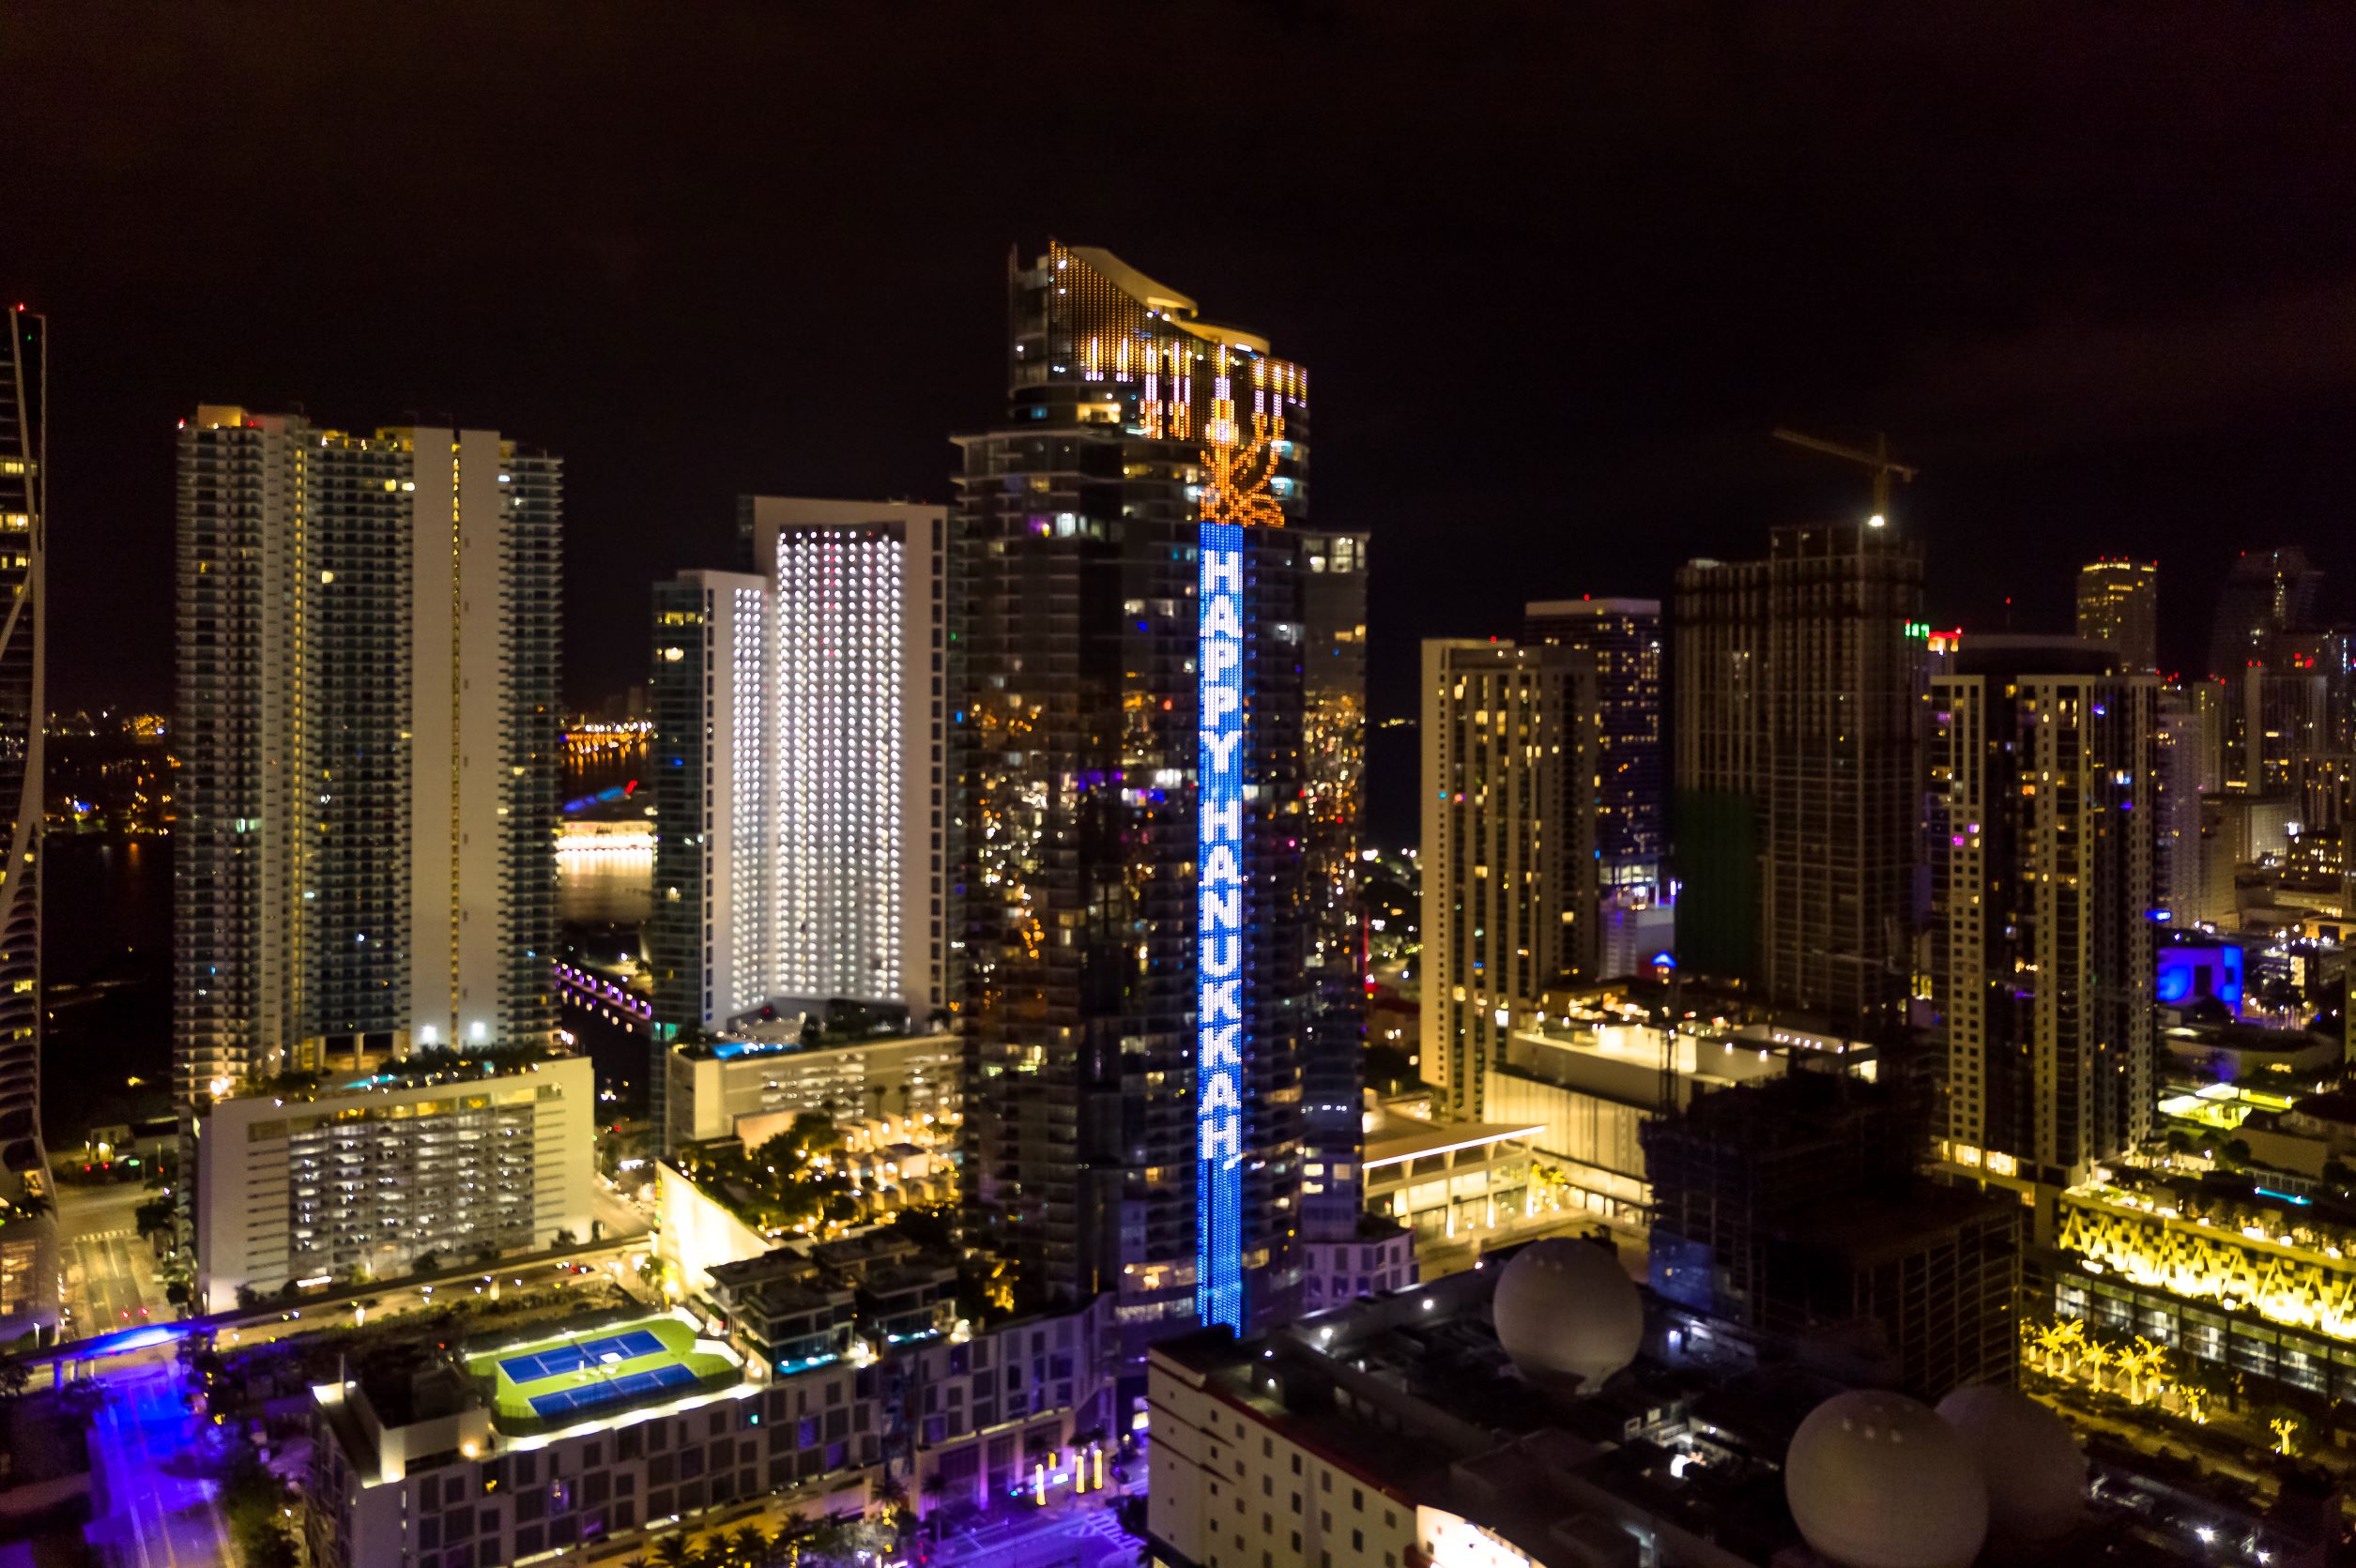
(908, 1084)
(459, 1160)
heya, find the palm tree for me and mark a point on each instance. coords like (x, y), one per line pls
(750, 1545)
(672, 1551)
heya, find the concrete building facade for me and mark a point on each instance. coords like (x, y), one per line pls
(309, 1186)
(367, 733)
(1508, 862)
(2043, 760)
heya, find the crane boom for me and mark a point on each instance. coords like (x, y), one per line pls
(1876, 461)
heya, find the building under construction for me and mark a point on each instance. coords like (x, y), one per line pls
(1795, 1207)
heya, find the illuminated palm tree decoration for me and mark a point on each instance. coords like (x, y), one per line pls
(2145, 1366)
(2096, 1357)
(1237, 471)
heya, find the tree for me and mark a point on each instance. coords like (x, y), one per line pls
(429, 1261)
(155, 1217)
(566, 1239)
(672, 1551)
(749, 1546)
(14, 1377)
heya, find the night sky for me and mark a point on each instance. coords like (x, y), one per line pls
(1556, 270)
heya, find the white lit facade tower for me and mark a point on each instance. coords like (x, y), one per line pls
(797, 768)
(861, 886)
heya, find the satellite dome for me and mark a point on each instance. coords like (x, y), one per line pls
(1568, 1314)
(2035, 1474)
(1879, 1481)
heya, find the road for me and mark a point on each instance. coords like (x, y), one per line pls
(1072, 1535)
(109, 1272)
(161, 1514)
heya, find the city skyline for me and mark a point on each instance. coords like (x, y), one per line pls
(807, 898)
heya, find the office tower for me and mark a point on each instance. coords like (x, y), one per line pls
(28, 1293)
(2183, 767)
(1631, 806)
(1796, 1206)
(1510, 736)
(2119, 604)
(367, 1177)
(367, 737)
(2286, 679)
(1632, 917)
(2266, 591)
(715, 759)
(1128, 803)
(1799, 786)
(2042, 982)
(1333, 746)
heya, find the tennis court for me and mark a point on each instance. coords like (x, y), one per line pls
(574, 1358)
(606, 1390)
(565, 1378)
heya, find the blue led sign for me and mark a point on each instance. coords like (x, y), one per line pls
(1219, 1291)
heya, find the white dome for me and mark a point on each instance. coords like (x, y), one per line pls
(2036, 1475)
(1568, 1314)
(1879, 1481)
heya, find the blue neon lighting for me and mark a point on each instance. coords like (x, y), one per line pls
(2286, 1197)
(1219, 1291)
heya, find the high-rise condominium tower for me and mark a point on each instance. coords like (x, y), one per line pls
(1799, 683)
(1130, 712)
(368, 744)
(1333, 745)
(712, 939)
(28, 1295)
(2119, 604)
(799, 716)
(2042, 774)
(1511, 739)
(1632, 804)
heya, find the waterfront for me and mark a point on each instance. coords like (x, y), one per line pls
(107, 964)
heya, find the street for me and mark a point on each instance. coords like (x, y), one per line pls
(1074, 1535)
(109, 1271)
(159, 1511)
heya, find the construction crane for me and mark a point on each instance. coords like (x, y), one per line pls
(1876, 461)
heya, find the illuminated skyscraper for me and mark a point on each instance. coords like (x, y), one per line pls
(1129, 712)
(714, 757)
(367, 737)
(2042, 765)
(2267, 591)
(2119, 604)
(799, 766)
(1511, 739)
(1333, 1069)
(1624, 637)
(1798, 768)
(861, 716)
(28, 1293)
